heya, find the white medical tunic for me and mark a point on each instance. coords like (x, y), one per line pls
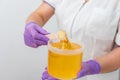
(96, 24)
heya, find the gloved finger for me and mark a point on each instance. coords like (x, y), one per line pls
(82, 73)
(41, 30)
(41, 37)
(45, 75)
(29, 41)
(39, 43)
(51, 78)
(37, 35)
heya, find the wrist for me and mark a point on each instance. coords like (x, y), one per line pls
(36, 18)
(32, 22)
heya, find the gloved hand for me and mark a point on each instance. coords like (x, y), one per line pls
(34, 35)
(46, 76)
(88, 68)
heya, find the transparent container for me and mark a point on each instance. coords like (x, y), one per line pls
(64, 64)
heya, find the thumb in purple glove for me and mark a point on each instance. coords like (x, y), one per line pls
(34, 35)
(89, 68)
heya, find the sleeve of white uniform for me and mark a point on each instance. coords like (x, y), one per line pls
(117, 40)
(53, 3)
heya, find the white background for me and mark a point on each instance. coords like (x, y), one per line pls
(17, 61)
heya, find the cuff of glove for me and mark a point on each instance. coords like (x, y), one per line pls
(32, 22)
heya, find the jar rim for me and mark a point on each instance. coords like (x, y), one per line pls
(64, 51)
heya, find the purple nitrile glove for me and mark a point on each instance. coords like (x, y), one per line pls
(88, 68)
(46, 76)
(34, 35)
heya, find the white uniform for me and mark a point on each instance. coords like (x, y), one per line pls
(96, 24)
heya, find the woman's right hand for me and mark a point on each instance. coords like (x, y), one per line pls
(34, 35)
